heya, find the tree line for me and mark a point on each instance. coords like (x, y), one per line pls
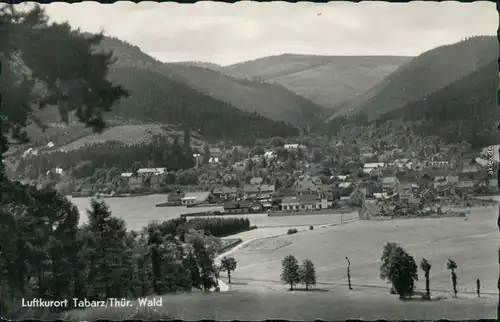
(84, 162)
(46, 254)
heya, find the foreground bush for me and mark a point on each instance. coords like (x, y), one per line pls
(291, 231)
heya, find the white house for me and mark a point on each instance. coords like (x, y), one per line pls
(188, 201)
(340, 177)
(345, 185)
(150, 171)
(438, 164)
(270, 155)
(290, 203)
(373, 165)
(294, 146)
(213, 160)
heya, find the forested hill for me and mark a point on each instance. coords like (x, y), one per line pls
(269, 100)
(425, 74)
(465, 110)
(157, 98)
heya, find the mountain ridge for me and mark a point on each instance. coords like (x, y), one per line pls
(242, 94)
(426, 73)
(325, 80)
(465, 110)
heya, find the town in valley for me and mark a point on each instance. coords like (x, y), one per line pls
(249, 161)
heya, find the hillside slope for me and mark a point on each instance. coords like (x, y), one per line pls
(271, 101)
(466, 110)
(157, 98)
(325, 80)
(425, 74)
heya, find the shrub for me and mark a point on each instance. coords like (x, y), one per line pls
(311, 227)
(291, 231)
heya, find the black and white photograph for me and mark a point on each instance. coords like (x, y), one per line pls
(249, 161)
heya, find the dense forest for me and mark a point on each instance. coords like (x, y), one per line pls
(156, 98)
(47, 255)
(466, 110)
(161, 152)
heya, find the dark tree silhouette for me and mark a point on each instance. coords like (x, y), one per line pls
(349, 272)
(426, 267)
(452, 266)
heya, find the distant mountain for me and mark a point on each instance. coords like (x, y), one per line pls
(325, 80)
(425, 74)
(271, 101)
(465, 110)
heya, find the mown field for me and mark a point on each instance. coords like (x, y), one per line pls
(473, 244)
(307, 306)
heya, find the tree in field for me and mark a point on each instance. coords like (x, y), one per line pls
(426, 267)
(290, 271)
(478, 287)
(400, 269)
(307, 273)
(452, 266)
(228, 264)
(385, 267)
(348, 273)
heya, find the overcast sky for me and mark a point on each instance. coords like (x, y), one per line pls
(229, 33)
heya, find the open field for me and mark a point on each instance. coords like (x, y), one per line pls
(473, 244)
(307, 306)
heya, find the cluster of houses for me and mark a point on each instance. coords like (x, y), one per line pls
(133, 181)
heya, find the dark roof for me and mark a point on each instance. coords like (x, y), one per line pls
(225, 190)
(245, 204)
(324, 187)
(251, 189)
(286, 192)
(307, 199)
(289, 199)
(389, 180)
(230, 205)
